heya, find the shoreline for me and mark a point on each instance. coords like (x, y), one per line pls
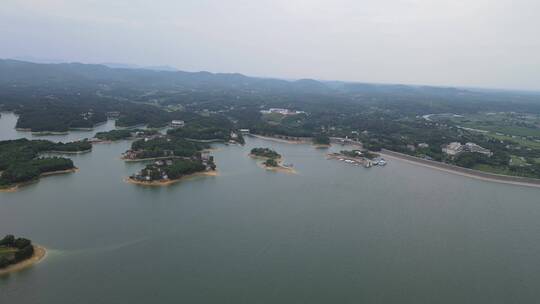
(278, 139)
(16, 187)
(68, 152)
(479, 175)
(45, 133)
(149, 159)
(39, 254)
(279, 168)
(169, 182)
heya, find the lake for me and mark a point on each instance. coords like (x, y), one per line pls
(333, 233)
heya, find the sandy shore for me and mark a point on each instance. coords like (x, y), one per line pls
(279, 168)
(319, 146)
(170, 181)
(485, 176)
(18, 186)
(39, 254)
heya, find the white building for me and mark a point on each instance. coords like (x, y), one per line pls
(472, 147)
(177, 123)
(281, 111)
(455, 148)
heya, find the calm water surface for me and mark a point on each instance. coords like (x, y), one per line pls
(333, 233)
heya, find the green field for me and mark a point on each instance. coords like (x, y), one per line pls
(4, 250)
(520, 141)
(505, 123)
(517, 161)
(273, 118)
(491, 169)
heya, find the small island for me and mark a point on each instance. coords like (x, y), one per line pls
(120, 134)
(164, 172)
(272, 160)
(162, 147)
(18, 253)
(359, 157)
(21, 160)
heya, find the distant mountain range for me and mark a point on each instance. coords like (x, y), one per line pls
(23, 73)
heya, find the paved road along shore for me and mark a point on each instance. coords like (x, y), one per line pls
(506, 179)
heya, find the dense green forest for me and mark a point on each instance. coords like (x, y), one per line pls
(172, 169)
(216, 127)
(320, 139)
(20, 160)
(265, 152)
(114, 134)
(183, 167)
(167, 146)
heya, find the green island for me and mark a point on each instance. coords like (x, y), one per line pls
(20, 160)
(119, 134)
(163, 147)
(265, 153)
(18, 253)
(272, 160)
(167, 171)
(208, 129)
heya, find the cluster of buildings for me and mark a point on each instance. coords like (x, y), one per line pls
(455, 148)
(282, 111)
(357, 157)
(154, 171)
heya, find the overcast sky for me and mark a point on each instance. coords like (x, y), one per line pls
(487, 43)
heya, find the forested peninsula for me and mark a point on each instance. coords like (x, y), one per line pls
(21, 160)
(18, 253)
